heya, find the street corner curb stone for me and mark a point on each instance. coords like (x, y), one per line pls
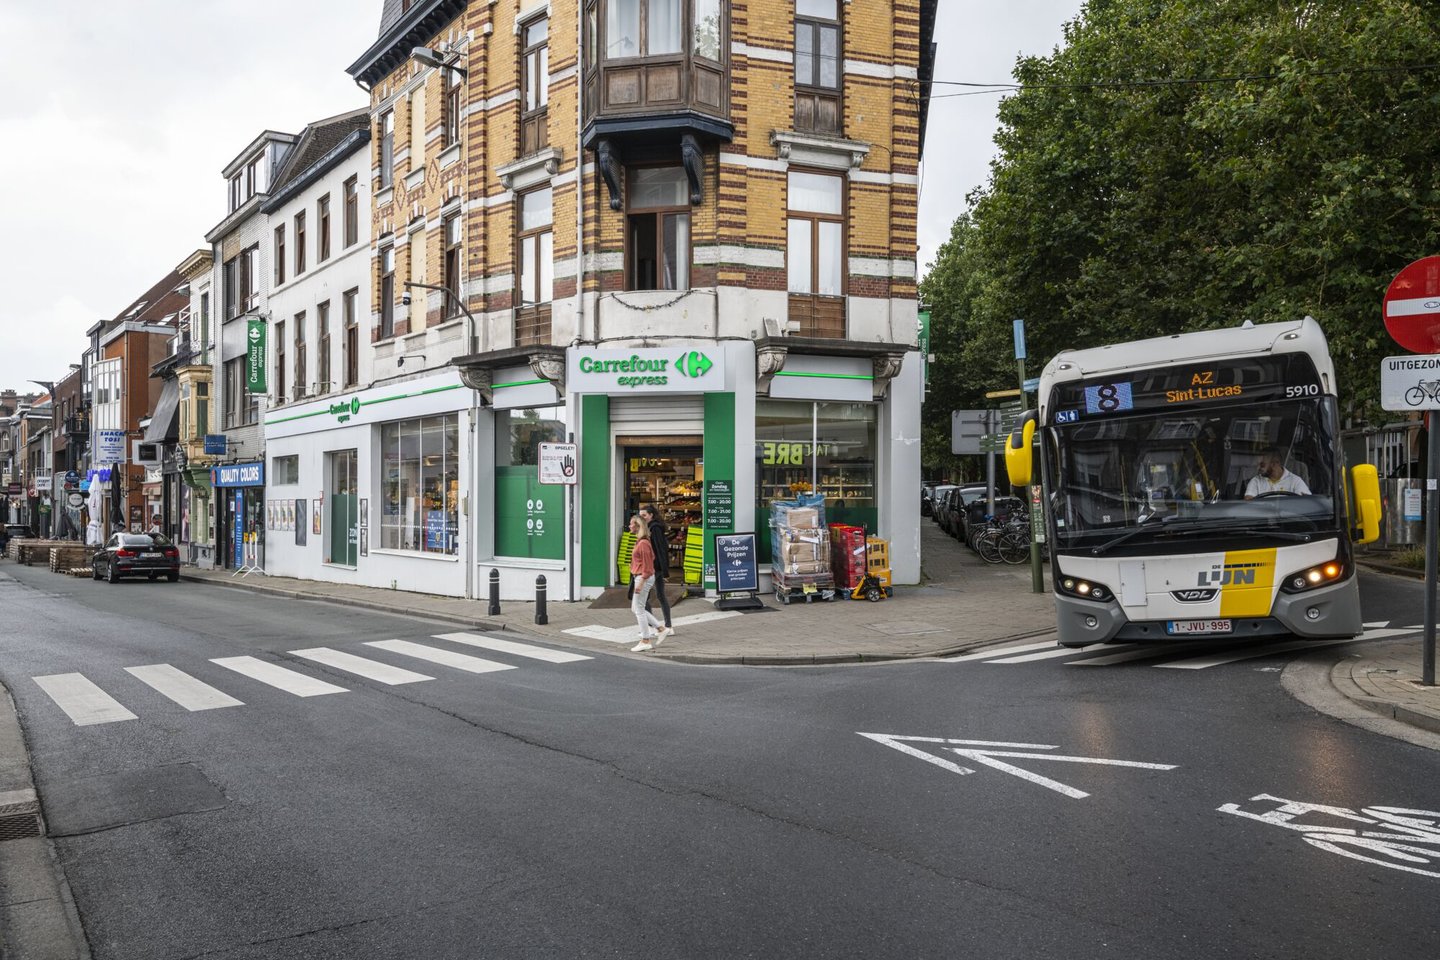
(1393, 570)
(1342, 677)
(352, 602)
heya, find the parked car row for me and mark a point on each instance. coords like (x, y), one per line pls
(961, 511)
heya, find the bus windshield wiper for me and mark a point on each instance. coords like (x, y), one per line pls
(1175, 527)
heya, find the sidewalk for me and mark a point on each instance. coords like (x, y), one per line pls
(1385, 679)
(964, 603)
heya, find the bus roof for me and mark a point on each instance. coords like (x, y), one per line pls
(1296, 336)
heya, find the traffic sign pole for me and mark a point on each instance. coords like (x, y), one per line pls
(1037, 572)
(1432, 548)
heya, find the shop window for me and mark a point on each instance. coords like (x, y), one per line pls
(534, 86)
(536, 241)
(658, 229)
(824, 448)
(815, 253)
(420, 464)
(285, 471)
(529, 516)
(817, 66)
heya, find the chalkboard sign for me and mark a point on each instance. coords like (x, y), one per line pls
(735, 566)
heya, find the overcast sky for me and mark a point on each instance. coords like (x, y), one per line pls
(122, 115)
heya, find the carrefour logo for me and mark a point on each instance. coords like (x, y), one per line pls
(653, 368)
(694, 364)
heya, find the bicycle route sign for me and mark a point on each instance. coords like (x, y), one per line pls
(1410, 383)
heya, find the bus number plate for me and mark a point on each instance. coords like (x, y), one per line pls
(1198, 626)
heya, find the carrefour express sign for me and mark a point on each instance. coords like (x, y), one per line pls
(646, 370)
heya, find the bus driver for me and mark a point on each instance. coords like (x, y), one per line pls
(1274, 478)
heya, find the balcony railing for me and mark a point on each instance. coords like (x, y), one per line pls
(77, 426)
(532, 325)
(817, 316)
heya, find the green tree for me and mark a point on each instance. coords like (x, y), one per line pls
(1292, 171)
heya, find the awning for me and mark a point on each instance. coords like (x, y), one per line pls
(163, 423)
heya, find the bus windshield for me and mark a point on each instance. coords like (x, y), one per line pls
(1258, 470)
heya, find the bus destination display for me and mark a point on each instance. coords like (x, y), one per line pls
(1254, 380)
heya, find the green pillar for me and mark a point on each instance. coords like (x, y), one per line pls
(720, 492)
(597, 540)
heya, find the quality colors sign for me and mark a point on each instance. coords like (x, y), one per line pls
(255, 361)
(645, 370)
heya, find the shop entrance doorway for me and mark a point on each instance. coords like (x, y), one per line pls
(670, 473)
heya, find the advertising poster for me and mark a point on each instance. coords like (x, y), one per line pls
(315, 513)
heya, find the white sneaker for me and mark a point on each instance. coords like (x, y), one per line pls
(665, 634)
(641, 647)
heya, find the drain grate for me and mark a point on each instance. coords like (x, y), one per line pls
(19, 820)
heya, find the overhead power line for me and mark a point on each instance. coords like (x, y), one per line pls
(982, 89)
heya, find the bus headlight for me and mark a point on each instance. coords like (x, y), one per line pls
(1316, 576)
(1084, 589)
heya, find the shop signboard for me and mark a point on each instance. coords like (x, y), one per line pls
(558, 462)
(645, 370)
(76, 500)
(255, 356)
(736, 568)
(215, 445)
(239, 475)
(109, 446)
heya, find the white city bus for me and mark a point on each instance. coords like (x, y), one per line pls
(1194, 488)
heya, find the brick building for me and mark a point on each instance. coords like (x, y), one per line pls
(681, 233)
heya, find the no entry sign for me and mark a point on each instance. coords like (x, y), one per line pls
(1412, 306)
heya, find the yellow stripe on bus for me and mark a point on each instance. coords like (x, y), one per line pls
(1251, 580)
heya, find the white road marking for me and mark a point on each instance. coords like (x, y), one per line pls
(182, 688)
(1003, 651)
(1051, 654)
(486, 642)
(1376, 624)
(448, 658)
(1250, 653)
(629, 634)
(987, 757)
(369, 669)
(1143, 653)
(82, 701)
(278, 677)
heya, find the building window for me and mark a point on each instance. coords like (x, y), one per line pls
(299, 243)
(529, 518)
(279, 255)
(322, 229)
(535, 238)
(708, 27)
(452, 265)
(205, 326)
(285, 471)
(352, 337)
(322, 355)
(817, 66)
(452, 107)
(624, 36)
(241, 409)
(387, 148)
(300, 369)
(417, 128)
(280, 363)
(202, 408)
(387, 292)
(420, 484)
(231, 280)
(250, 279)
(534, 86)
(815, 253)
(658, 229)
(352, 211)
(237, 187)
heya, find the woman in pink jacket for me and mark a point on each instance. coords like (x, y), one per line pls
(642, 571)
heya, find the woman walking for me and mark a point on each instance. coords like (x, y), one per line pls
(661, 543)
(642, 575)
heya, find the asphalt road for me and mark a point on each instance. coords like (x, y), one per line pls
(621, 807)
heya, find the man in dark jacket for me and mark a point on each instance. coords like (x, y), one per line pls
(661, 544)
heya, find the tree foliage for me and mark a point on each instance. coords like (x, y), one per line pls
(1121, 208)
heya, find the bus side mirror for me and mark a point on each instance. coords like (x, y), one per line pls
(1365, 484)
(1019, 463)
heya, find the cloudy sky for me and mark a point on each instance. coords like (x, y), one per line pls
(110, 174)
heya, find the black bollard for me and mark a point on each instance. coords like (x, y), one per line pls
(494, 592)
(541, 617)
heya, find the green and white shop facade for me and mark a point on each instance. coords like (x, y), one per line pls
(736, 423)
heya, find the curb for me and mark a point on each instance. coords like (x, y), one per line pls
(1392, 569)
(38, 917)
(351, 602)
(1343, 679)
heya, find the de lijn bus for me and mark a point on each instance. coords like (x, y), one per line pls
(1194, 488)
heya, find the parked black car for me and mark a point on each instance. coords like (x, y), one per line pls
(10, 530)
(135, 555)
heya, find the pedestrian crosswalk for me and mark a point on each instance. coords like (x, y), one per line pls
(1196, 655)
(86, 703)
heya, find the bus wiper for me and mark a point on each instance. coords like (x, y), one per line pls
(1175, 527)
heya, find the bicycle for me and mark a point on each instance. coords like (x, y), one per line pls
(1408, 839)
(1422, 391)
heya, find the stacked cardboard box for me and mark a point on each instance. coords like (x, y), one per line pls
(801, 542)
(847, 554)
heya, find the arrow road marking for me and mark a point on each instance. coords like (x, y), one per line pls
(984, 752)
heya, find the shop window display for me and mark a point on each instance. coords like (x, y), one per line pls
(827, 449)
(420, 483)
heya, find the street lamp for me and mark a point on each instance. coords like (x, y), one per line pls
(433, 58)
(450, 295)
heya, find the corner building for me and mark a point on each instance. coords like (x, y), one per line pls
(679, 233)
